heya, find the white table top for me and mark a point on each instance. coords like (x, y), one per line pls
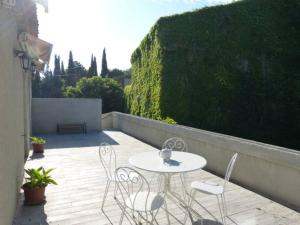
(180, 162)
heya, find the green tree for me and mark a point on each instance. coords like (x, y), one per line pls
(57, 70)
(107, 89)
(116, 74)
(75, 71)
(71, 63)
(62, 68)
(51, 86)
(36, 85)
(79, 69)
(104, 69)
(93, 67)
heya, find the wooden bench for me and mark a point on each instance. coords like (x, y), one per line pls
(71, 128)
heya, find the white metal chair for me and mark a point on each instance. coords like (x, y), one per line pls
(135, 198)
(176, 144)
(109, 162)
(214, 189)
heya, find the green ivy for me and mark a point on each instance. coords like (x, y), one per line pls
(232, 69)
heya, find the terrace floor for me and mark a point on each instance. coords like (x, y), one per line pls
(77, 198)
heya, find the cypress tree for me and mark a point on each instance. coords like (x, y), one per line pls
(95, 66)
(71, 64)
(62, 68)
(104, 69)
(36, 85)
(91, 69)
(57, 65)
(70, 78)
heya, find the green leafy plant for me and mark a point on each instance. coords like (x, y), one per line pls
(167, 120)
(38, 178)
(107, 89)
(37, 140)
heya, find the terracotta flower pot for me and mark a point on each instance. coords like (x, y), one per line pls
(38, 148)
(34, 196)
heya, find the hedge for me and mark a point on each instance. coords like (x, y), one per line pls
(232, 69)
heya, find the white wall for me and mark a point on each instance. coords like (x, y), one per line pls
(267, 169)
(107, 121)
(14, 106)
(48, 112)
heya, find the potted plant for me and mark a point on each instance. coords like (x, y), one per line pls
(36, 180)
(37, 144)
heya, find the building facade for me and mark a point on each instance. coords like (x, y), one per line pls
(15, 101)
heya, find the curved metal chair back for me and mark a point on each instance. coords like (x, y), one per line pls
(130, 184)
(176, 144)
(230, 168)
(108, 159)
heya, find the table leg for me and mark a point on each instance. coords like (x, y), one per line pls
(168, 193)
(166, 190)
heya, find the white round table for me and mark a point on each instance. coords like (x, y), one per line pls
(180, 162)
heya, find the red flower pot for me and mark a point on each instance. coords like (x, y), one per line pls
(34, 196)
(38, 148)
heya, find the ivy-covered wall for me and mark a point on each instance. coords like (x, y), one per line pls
(233, 69)
(144, 95)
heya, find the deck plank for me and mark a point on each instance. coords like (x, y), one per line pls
(77, 198)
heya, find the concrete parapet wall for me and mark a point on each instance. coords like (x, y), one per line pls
(48, 112)
(107, 121)
(270, 170)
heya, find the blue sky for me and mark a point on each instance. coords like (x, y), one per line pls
(86, 27)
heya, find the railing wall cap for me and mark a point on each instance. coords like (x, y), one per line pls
(280, 155)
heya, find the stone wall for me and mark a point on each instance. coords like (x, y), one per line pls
(48, 112)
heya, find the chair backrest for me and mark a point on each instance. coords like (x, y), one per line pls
(230, 168)
(108, 159)
(132, 185)
(176, 144)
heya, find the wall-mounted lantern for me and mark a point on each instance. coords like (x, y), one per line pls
(24, 59)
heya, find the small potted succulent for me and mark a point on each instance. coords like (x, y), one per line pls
(36, 180)
(38, 144)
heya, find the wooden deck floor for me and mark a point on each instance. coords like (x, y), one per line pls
(77, 198)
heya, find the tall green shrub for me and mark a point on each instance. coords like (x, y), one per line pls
(232, 69)
(107, 89)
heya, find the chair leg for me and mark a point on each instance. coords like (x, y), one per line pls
(225, 204)
(105, 194)
(122, 217)
(167, 211)
(153, 215)
(224, 207)
(152, 218)
(221, 209)
(115, 190)
(190, 204)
